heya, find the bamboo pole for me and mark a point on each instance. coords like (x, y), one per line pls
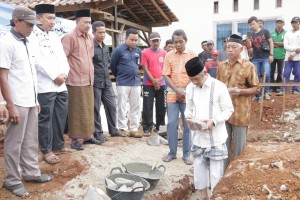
(262, 97)
(283, 102)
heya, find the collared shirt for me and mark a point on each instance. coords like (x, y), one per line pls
(279, 52)
(198, 107)
(124, 65)
(101, 62)
(154, 60)
(174, 66)
(51, 60)
(19, 59)
(291, 43)
(242, 75)
(79, 49)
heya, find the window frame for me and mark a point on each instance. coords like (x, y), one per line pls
(235, 5)
(216, 7)
(256, 5)
(278, 4)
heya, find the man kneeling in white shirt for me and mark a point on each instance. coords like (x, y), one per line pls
(208, 106)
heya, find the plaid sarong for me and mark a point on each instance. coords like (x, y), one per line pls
(81, 112)
(215, 153)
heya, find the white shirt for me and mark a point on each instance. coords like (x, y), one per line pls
(291, 43)
(51, 60)
(197, 108)
(22, 78)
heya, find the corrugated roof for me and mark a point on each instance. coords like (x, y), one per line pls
(144, 12)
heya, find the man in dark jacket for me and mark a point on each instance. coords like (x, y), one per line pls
(103, 91)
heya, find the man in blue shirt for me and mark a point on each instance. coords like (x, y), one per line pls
(124, 65)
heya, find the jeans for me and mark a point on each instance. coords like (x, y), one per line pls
(262, 65)
(289, 66)
(172, 128)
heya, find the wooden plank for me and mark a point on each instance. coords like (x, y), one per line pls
(146, 11)
(104, 17)
(279, 84)
(132, 13)
(160, 10)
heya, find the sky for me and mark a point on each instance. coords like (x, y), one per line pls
(185, 12)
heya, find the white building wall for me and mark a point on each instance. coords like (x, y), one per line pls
(196, 17)
(267, 11)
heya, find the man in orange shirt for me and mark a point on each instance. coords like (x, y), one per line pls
(177, 79)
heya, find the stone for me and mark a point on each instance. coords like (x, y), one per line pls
(163, 140)
(276, 197)
(278, 164)
(287, 134)
(218, 198)
(153, 140)
(94, 193)
(266, 189)
(124, 188)
(123, 181)
(283, 188)
(110, 184)
(297, 139)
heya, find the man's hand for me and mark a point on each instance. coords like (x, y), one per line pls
(271, 59)
(298, 50)
(14, 114)
(180, 95)
(60, 79)
(209, 124)
(3, 114)
(290, 58)
(235, 91)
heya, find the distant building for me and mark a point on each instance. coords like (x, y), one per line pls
(224, 17)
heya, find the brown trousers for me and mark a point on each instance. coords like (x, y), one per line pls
(21, 147)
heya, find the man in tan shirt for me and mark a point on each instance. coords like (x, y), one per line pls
(240, 76)
(79, 48)
(177, 79)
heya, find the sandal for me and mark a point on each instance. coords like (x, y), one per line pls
(147, 134)
(18, 189)
(188, 161)
(168, 158)
(63, 151)
(51, 158)
(43, 178)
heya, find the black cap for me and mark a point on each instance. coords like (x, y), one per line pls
(44, 8)
(236, 38)
(82, 13)
(193, 67)
(295, 19)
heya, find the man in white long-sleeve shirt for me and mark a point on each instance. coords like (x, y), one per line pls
(292, 57)
(52, 69)
(208, 106)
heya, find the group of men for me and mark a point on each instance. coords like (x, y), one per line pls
(45, 80)
(278, 49)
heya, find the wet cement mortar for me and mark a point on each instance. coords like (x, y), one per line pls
(270, 140)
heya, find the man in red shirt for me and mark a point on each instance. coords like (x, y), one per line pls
(211, 65)
(153, 86)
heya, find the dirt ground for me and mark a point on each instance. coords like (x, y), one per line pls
(269, 141)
